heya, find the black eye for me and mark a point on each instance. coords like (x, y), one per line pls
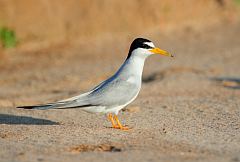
(146, 46)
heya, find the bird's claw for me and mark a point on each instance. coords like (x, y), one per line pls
(116, 125)
(121, 127)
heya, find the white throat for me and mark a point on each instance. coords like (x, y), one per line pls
(133, 66)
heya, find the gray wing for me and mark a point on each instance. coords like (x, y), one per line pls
(114, 91)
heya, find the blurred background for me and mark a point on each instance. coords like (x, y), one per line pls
(46, 45)
(187, 110)
(47, 22)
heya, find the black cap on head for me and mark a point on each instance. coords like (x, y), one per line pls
(138, 43)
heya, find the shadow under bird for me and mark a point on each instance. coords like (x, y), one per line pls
(113, 94)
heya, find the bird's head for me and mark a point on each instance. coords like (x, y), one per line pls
(144, 47)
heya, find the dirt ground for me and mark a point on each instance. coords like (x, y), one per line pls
(188, 108)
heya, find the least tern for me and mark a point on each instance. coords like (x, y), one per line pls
(113, 94)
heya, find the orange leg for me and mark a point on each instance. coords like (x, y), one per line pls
(110, 117)
(119, 124)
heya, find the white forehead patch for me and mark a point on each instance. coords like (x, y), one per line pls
(150, 44)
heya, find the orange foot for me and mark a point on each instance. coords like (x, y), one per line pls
(118, 125)
(122, 127)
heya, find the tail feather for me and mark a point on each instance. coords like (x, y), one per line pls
(58, 105)
(74, 102)
(40, 107)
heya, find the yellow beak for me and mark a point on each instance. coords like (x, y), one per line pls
(161, 52)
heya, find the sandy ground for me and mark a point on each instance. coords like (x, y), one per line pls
(188, 108)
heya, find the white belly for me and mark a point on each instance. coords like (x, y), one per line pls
(95, 109)
(105, 110)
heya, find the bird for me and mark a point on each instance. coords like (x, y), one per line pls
(115, 93)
